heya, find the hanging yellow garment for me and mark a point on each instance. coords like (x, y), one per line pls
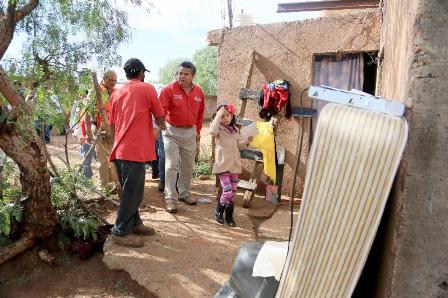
(265, 142)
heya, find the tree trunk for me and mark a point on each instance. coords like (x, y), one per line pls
(20, 142)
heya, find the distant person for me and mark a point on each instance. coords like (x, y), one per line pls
(41, 111)
(130, 116)
(20, 88)
(184, 104)
(79, 131)
(227, 160)
(103, 145)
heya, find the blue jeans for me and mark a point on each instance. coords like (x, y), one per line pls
(161, 156)
(86, 166)
(47, 130)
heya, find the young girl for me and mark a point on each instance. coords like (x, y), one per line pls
(227, 160)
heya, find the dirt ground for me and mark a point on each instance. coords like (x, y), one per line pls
(190, 255)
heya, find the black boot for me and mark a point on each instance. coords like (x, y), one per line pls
(219, 213)
(229, 215)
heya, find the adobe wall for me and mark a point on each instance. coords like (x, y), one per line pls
(285, 51)
(210, 106)
(414, 44)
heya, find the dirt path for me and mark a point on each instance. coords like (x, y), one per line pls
(190, 255)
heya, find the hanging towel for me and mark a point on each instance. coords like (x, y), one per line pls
(265, 142)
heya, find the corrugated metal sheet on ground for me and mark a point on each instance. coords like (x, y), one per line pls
(351, 168)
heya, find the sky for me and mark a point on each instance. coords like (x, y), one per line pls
(177, 28)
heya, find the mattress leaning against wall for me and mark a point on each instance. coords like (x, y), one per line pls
(351, 169)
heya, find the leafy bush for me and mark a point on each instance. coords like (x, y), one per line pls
(70, 213)
(10, 200)
(204, 165)
(9, 210)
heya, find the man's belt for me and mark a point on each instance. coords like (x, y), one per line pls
(182, 126)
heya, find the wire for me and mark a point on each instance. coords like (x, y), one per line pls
(296, 168)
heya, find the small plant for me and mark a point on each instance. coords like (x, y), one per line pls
(71, 215)
(9, 211)
(10, 200)
(204, 165)
(19, 280)
(120, 286)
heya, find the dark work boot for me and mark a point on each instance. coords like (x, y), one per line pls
(219, 213)
(229, 215)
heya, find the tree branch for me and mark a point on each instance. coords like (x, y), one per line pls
(26, 10)
(9, 21)
(11, 94)
(20, 246)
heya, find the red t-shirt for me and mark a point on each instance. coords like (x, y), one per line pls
(182, 109)
(105, 96)
(130, 112)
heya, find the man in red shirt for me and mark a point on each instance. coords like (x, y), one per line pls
(130, 112)
(184, 104)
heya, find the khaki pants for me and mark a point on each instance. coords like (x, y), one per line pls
(107, 169)
(180, 150)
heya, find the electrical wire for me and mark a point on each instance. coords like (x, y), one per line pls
(296, 168)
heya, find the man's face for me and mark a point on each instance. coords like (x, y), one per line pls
(185, 77)
(110, 81)
(141, 76)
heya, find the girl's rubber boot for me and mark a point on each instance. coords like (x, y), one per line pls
(219, 213)
(229, 215)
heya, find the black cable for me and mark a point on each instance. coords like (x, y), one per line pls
(296, 168)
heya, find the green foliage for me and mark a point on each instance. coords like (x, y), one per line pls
(120, 286)
(19, 280)
(204, 164)
(62, 37)
(166, 73)
(9, 210)
(71, 215)
(206, 60)
(10, 202)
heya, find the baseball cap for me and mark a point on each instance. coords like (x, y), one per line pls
(133, 66)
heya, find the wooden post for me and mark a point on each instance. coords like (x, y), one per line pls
(245, 81)
(101, 109)
(106, 126)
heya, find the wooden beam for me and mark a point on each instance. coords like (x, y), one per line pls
(327, 5)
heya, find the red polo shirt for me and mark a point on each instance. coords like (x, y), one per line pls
(130, 112)
(182, 109)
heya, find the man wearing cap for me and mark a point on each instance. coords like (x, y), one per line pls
(131, 110)
(184, 104)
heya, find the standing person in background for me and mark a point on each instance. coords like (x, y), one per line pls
(130, 116)
(184, 104)
(103, 145)
(79, 131)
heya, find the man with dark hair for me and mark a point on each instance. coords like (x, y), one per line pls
(130, 116)
(184, 104)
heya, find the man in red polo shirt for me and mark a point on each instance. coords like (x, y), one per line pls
(184, 104)
(130, 112)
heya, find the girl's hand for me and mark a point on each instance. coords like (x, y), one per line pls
(221, 111)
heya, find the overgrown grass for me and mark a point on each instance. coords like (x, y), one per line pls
(204, 165)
